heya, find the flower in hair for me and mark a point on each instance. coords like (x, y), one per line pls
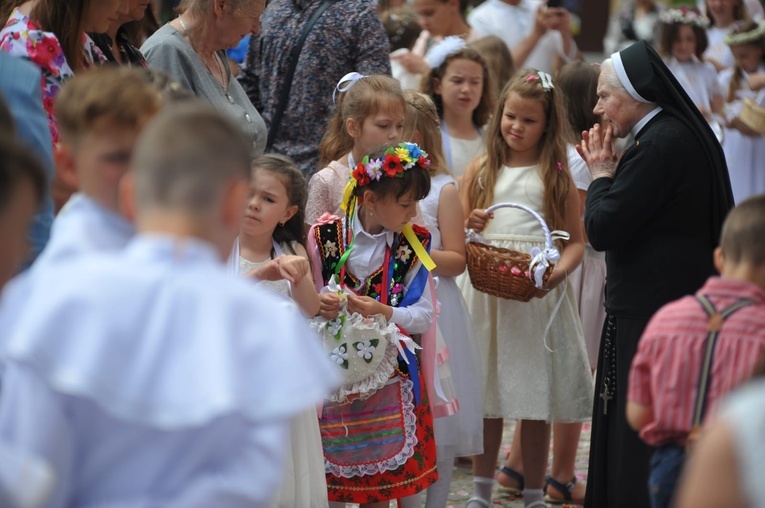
(531, 77)
(559, 166)
(392, 165)
(439, 53)
(746, 37)
(684, 16)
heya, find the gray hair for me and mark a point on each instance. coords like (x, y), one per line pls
(186, 156)
(610, 79)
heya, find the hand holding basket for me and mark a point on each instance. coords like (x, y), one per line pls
(507, 273)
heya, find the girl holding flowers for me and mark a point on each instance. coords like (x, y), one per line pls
(372, 269)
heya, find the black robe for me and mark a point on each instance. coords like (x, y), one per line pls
(656, 220)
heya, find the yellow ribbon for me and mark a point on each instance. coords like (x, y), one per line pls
(347, 192)
(419, 249)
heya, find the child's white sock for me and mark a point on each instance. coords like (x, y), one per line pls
(438, 493)
(482, 487)
(531, 496)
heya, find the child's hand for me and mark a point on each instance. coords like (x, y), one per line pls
(293, 268)
(478, 219)
(757, 80)
(413, 63)
(743, 128)
(269, 271)
(329, 305)
(367, 306)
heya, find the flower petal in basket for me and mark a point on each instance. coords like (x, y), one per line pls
(364, 350)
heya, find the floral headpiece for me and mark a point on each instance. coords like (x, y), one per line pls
(441, 51)
(392, 164)
(684, 16)
(746, 37)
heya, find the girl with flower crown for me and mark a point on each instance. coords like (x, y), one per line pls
(533, 353)
(372, 270)
(744, 148)
(460, 85)
(370, 113)
(682, 45)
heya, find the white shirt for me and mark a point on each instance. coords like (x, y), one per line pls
(151, 377)
(367, 255)
(513, 23)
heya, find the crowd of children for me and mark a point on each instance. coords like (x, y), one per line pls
(205, 328)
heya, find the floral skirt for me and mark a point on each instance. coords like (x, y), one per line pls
(380, 448)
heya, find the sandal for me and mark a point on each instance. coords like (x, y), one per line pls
(567, 489)
(481, 501)
(541, 504)
(515, 475)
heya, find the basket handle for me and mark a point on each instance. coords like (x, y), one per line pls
(545, 228)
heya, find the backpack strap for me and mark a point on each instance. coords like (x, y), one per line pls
(715, 324)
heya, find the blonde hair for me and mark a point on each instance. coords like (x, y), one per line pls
(366, 97)
(485, 107)
(743, 233)
(738, 72)
(422, 119)
(117, 97)
(552, 165)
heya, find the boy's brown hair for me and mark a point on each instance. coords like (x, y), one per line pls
(111, 96)
(743, 234)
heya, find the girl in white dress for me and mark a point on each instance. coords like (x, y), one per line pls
(531, 373)
(269, 249)
(370, 113)
(460, 433)
(723, 15)
(461, 88)
(744, 148)
(682, 45)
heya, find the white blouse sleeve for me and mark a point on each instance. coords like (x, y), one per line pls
(415, 318)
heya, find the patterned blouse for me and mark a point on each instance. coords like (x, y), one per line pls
(24, 38)
(348, 37)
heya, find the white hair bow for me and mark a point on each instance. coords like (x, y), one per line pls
(349, 79)
(443, 49)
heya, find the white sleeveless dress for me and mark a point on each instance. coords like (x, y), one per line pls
(522, 379)
(461, 434)
(303, 480)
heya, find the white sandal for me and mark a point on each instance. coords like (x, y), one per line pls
(539, 504)
(484, 503)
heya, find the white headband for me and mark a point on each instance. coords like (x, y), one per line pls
(351, 78)
(443, 49)
(621, 73)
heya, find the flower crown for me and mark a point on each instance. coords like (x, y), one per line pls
(392, 164)
(743, 38)
(684, 16)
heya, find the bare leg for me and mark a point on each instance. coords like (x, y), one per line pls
(535, 443)
(514, 461)
(565, 444)
(381, 504)
(438, 493)
(485, 464)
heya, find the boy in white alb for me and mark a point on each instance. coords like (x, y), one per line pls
(151, 377)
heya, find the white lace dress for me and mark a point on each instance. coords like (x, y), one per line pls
(461, 434)
(303, 480)
(522, 378)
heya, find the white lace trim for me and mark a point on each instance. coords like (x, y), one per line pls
(376, 379)
(392, 463)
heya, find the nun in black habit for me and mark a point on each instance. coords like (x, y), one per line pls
(657, 211)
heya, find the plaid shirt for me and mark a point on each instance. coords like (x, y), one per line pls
(348, 37)
(665, 370)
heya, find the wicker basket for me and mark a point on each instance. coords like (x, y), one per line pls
(753, 116)
(504, 272)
